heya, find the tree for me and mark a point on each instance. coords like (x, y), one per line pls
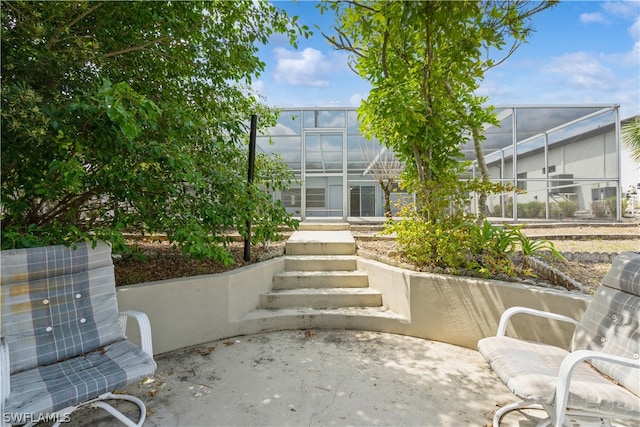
(425, 60)
(385, 168)
(132, 116)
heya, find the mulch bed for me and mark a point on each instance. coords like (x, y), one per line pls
(161, 261)
(164, 262)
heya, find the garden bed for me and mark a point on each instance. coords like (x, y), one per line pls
(588, 259)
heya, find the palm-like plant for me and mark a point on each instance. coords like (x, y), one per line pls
(631, 137)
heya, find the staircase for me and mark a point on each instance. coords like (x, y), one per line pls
(321, 284)
(321, 272)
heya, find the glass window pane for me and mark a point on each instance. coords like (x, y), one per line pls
(360, 152)
(354, 195)
(325, 118)
(586, 149)
(352, 123)
(291, 198)
(310, 119)
(288, 147)
(367, 200)
(315, 198)
(288, 124)
(534, 121)
(323, 152)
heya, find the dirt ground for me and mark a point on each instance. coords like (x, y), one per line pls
(589, 274)
(164, 262)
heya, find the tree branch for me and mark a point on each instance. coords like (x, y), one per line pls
(356, 4)
(385, 42)
(79, 18)
(513, 48)
(83, 15)
(136, 48)
(344, 42)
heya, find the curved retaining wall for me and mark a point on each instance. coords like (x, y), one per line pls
(451, 309)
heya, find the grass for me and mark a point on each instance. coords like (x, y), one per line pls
(598, 245)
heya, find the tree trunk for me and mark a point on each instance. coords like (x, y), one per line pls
(484, 173)
(386, 189)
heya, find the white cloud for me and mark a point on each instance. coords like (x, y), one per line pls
(495, 86)
(584, 70)
(587, 18)
(626, 9)
(634, 29)
(632, 58)
(617, 10)
(356, 99)
(309, 67)
(280, 129)
(259, 87)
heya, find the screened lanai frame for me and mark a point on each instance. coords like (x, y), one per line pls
(323, 147)
(567, 164)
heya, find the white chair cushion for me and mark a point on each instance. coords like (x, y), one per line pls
(530, 370)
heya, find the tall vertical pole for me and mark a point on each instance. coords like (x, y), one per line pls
(514, 144)
(619, 194)
(547, 210)
(252, 162)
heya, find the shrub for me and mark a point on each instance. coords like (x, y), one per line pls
(599, 208)
(611, 204)
(625, 205)
(533, 209)
(508, 210)
(563, 208)
(457, 245)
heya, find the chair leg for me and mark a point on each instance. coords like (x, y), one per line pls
(570, 415)
(515, 406)
(580, 417)
(98, 403)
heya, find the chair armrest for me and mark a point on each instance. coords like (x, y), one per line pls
(566, 369)
(144, 326)
(5, 377)
(504, 319)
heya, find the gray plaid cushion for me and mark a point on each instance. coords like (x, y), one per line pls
(625, 273)
(530, 370)
(73, 381)
(611, 323)
(57, 303)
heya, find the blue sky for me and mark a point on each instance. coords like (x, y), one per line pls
(581, 52)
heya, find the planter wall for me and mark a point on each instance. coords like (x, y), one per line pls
(195, 310)
(462, 310)
(449, 309)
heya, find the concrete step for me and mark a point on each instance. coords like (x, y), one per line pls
(321, 243)
(323, 226)
(321, 298)
(362, 315)
(320, 279)
(320, 262)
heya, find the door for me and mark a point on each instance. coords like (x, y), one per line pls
(324, 172)
(335, 200)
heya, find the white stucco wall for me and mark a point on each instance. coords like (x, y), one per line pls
(450, 309)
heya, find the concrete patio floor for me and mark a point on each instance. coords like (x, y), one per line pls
(319, 377)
